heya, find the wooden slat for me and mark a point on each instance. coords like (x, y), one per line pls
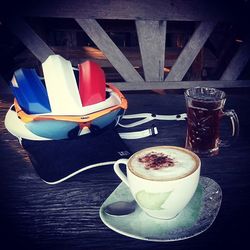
(237, 63)
(180, 85)
(179, 10)
(190, 51)
(29, 38)
(111, 51)
(152, 39)
(79, 54)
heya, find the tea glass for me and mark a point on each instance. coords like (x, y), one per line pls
(204, 114)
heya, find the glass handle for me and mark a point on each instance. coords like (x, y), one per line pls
(235, 127)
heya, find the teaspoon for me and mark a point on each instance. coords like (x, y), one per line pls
(120, 208)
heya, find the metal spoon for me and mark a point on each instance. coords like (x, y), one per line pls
(120, 208)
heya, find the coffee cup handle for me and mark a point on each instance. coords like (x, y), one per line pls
(118, 171)
(235, 127)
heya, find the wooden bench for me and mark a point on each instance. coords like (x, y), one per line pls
(151, 19)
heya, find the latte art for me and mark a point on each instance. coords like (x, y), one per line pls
(156, 160)
(163, 163)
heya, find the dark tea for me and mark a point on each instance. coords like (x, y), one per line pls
(204, 112)
(203, 127)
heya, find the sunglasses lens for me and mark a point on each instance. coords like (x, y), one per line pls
(54, 130)
(105, 120)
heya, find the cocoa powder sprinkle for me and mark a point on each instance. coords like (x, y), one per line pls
(154, 160)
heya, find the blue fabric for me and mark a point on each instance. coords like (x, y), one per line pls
(31, 94)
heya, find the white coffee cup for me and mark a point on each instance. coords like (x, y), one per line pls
(162, 179)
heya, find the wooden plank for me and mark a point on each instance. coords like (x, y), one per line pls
(238, 62)
(134, 86)
(111, 51)
(79, 54)
(190, 51)
(197, 67)
(29, 38)
(179, 10)
(152, 39)
(35, 215)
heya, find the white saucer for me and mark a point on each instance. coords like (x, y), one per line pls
(197, 217)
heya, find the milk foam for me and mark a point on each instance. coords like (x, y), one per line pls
(183, 163)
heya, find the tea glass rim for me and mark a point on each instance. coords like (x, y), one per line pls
(222, 96)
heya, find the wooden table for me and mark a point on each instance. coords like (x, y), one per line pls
(35, 215)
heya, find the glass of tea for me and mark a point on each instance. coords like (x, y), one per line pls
(204, 113)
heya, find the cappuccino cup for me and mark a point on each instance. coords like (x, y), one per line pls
(162, 179)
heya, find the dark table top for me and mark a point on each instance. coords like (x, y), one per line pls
(35, 215)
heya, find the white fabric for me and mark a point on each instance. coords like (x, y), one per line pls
(139, 134)
(147, 117)
(61, 86)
